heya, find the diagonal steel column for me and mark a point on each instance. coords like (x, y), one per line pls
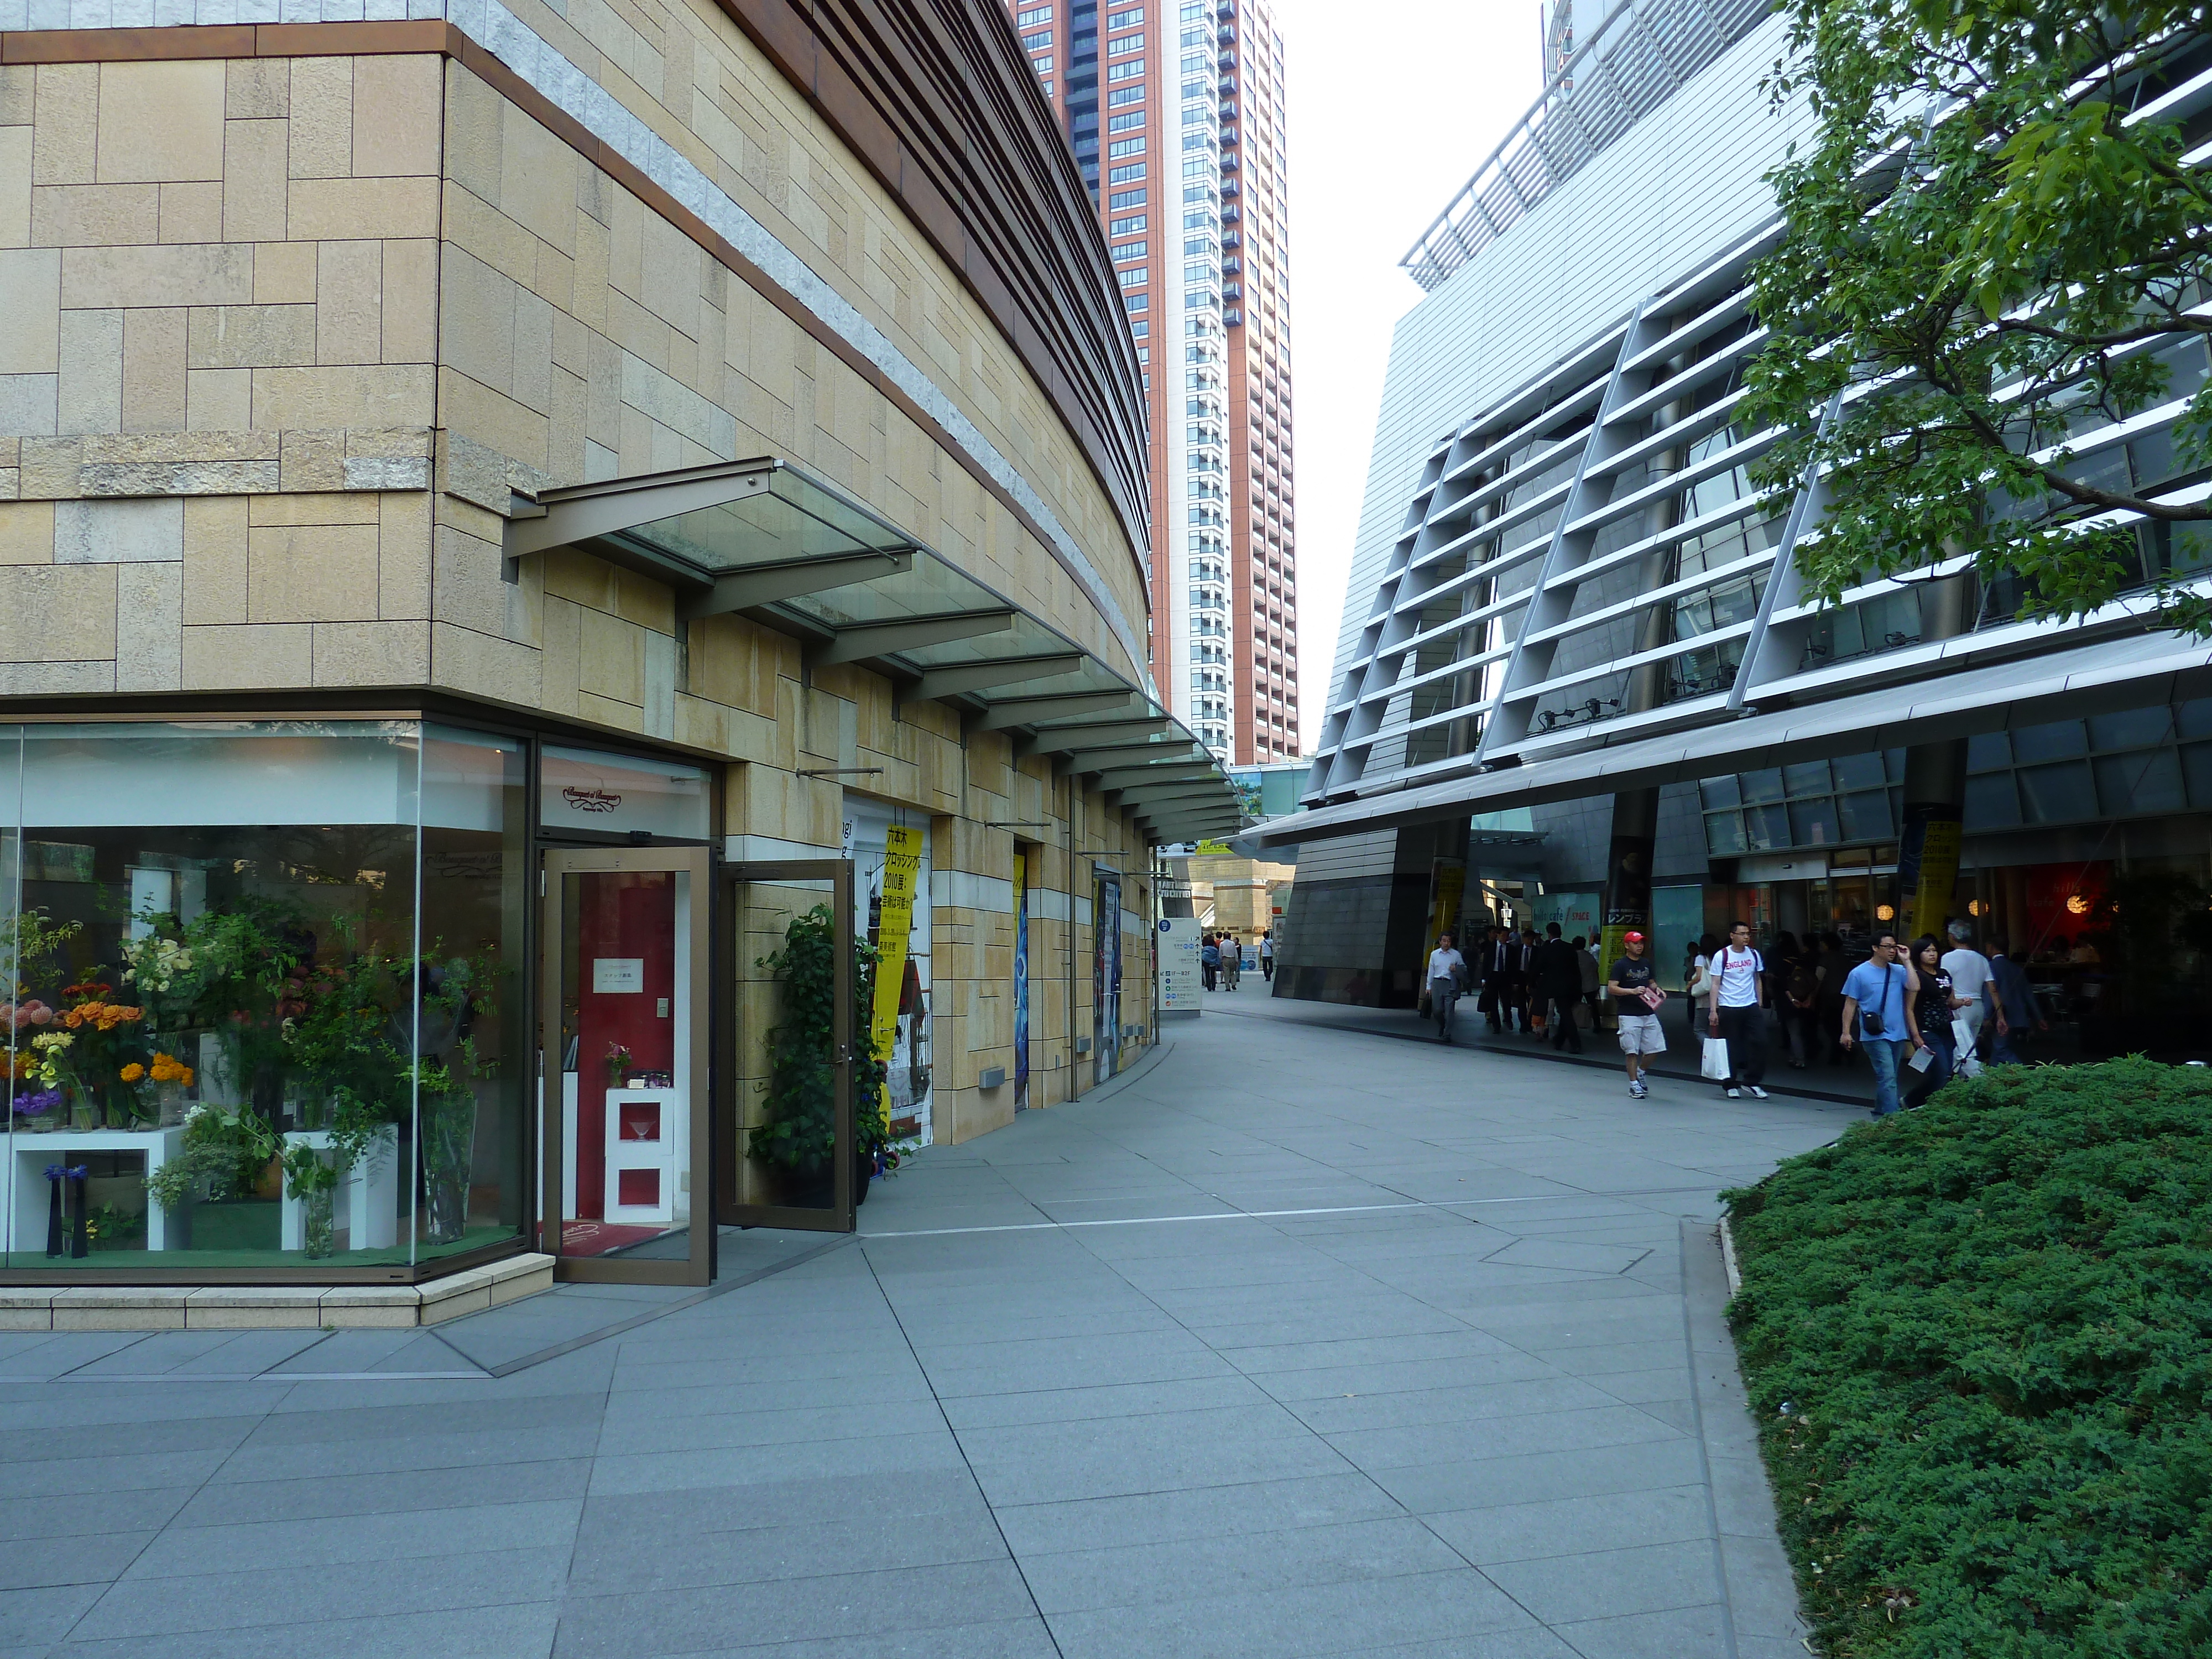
(1505, 722)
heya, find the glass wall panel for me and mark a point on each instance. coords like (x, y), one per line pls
(238, 1046)
(589, 789)
(2132, 784)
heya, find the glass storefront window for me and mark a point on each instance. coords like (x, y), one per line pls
(267, 1005)
(2057, 794)
(2132, 784)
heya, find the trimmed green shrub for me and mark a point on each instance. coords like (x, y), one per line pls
(1978, 1339)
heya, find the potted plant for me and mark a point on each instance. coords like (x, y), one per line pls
(798, 1130)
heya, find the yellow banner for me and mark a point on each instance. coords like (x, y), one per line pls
(893, 928)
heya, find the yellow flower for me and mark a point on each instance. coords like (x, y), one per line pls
(133, 1072)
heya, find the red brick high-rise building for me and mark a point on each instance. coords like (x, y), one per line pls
(1176, 113)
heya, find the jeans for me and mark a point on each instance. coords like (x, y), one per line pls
(2005, 1046)
(1746, 1031)
(1940, 1070)
(1267, 968)
(1885, 1056)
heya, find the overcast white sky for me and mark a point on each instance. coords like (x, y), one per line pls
(1392, 106)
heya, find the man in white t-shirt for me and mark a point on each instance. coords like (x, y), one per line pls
(1969, 971)
(1740, 1012)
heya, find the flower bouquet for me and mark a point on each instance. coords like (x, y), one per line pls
(90, 1055)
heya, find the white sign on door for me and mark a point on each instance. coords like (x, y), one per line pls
(614, 975)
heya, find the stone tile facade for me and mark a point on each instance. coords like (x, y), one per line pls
(286, 333)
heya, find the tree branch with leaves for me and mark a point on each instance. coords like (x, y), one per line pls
(1994, 253)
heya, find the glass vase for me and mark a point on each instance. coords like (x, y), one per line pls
(448, 1153)
(318, 1222)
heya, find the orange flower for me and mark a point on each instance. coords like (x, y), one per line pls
(133, 1072)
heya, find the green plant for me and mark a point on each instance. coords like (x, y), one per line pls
(1993, 236)
(225, 1149)
(798, 1129)
(1978, 1341)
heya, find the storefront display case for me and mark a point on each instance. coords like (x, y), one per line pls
(268, 1007)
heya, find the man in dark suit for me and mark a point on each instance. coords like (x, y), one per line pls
(1560, 984)
(1503, 994)
(2013, 1012)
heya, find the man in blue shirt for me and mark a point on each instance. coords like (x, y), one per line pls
(1874, 1014)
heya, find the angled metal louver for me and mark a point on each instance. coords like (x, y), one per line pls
(1640, 55)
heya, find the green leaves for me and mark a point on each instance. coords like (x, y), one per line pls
(1993, 1319)
(1995, 256)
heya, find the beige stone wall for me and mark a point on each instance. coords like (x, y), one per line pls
(688, 72)
(216, 388)
(284, 333)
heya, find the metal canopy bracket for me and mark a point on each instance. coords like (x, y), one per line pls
(1132, 753)
(793, 579)
(1027, 711)
(967, 677)
(856, 642)
(1063, 739)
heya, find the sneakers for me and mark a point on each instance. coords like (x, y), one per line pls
(1757, 1093)
(1735, 1093)
(1637, 1088)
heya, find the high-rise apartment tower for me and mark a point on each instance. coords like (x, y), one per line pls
(1175, 114)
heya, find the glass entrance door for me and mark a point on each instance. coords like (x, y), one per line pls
(626, 1050)
(785, 1063)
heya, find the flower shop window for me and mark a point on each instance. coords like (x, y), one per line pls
(268, 1009)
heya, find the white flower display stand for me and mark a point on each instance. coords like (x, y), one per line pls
(365, 1208)
(26, 1211)
(645, 1128)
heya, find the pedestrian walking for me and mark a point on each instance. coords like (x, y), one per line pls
(1560, 987)
(1834, 968)
(1637, 1000)
(1801, 1004)
(1267, 956)
(1739, 980)
(1935, 1003)
(2010, 998)
(1499, 991)
(1969, 971)
(1592, 977)
(1447, 974)
(1874, 999)
(1530, 989)
(1699, 979)
(1209, 959)
(1232, 961)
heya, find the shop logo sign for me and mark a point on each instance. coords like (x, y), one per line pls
(590, 800)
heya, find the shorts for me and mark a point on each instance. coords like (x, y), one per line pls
(1640, 1034)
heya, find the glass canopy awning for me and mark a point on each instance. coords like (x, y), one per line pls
(767, 539)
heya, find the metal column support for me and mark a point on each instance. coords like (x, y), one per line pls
(1505, 723)
(1762, 652)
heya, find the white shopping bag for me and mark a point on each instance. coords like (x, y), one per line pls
(1714, 1065)
(1969, 1063)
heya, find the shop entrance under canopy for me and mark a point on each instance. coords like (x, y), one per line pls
(767, 540)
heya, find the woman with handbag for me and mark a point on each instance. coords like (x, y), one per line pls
(1934, 1004)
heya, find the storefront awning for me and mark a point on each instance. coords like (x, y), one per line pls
(2116, 674)
(769, 540)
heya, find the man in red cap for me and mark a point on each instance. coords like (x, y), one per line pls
(1636, 996)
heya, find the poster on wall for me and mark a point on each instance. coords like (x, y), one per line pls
(1576, 913)
(1021, 983)
(891, 896)
(1105, 976)
(1181, 980)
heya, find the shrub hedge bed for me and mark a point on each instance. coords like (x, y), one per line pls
(1978, 1339)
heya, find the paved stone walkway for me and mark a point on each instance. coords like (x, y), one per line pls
(1299, 1342)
